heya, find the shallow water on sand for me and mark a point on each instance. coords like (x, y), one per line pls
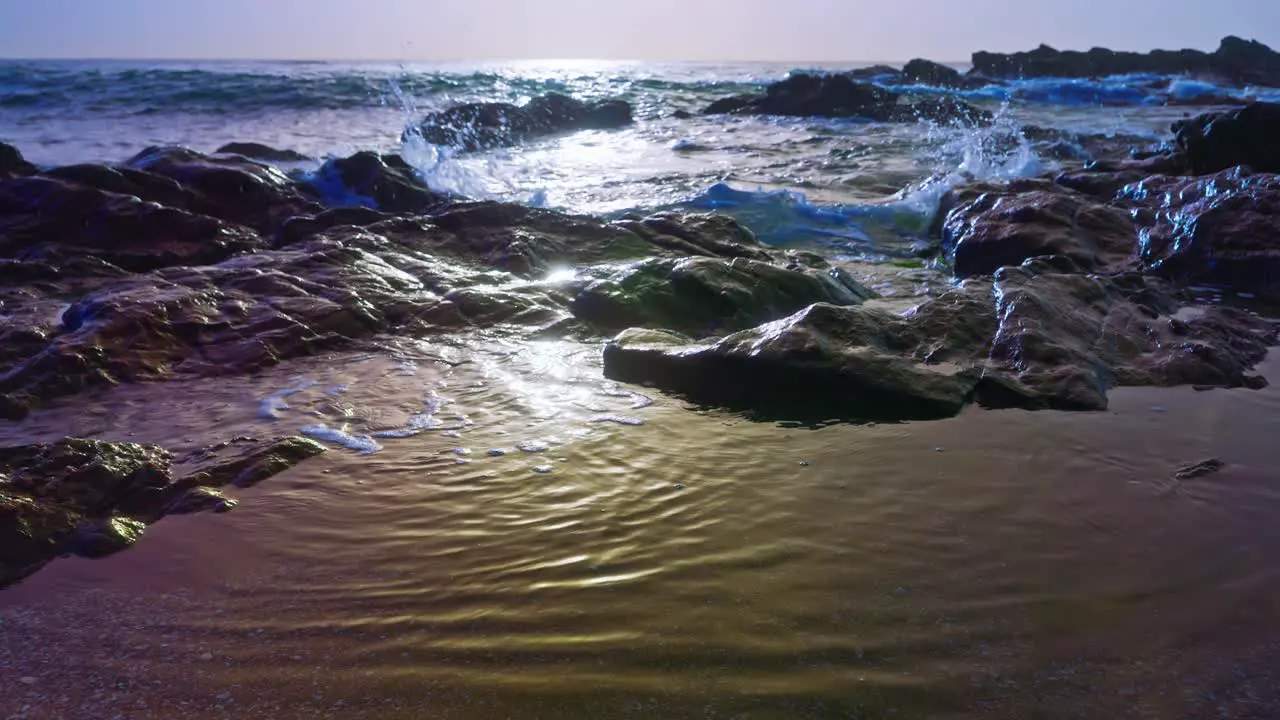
(999, 564)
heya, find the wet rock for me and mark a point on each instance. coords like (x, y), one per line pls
(1199, 470)
(106, 536)
(200, 499)
(1039, 336)
(479, 126)
(1218, 141)
(823, 362)
(927, 72)
(94, 498)
(874, 71)
(234, 189)
(840, 96)
(1236, 61)
(53, 221)
(258, 151)
(31, 534)
(91, 477)
(305, 227)
(12, 163)
(708, 296)
(384, 182)
(245, 462)
(1219, 230)
(708, 234)
(991, 226)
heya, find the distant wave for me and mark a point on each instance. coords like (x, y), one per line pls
(123, 89)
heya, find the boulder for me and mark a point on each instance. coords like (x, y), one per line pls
(927, 72)
(1217, 141)
(1221, 229)
(1038, 336)
(53, 221)
(231, 188)
(841, 96)
(12, 164)
(481, 126)
(258, 151)
(991, 226)
(94, 498)
(708, 296)
(384, 182)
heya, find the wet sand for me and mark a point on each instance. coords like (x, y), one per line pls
(998, 564)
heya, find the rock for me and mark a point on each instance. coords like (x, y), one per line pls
(823, 362)
(927, 72)
(1200, 469)
(244, 462)
(840, 96)
(12, 164)
(234, 189)
(1219, 141)
(385, 182)
(991, 226)
(100, 538)
(94, 498)
(1038, 336)
(1216, 230)
(31, 534)
(480, 126)
(91, 477)
(258, 151)
(708, 296)
(1236, 61)
(874, 72)
(55, 222)
(708, 234)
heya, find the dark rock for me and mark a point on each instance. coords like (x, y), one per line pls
(681, 114)
(709, 234)
(234, 189)
(12, 164)
(1039, 336)
(708, 296)
(385, 182)
(105, 536)
(53, 221)
(245, 462)
(94, 498)
(825, 362)
(479, 126)
(927, 72)
(258, 151)
(307, 226)
(1217, 230)
(989, 227)
(1199, 470)
(1218, 141)
(874, 72)
(840, 96)
(1237, 61)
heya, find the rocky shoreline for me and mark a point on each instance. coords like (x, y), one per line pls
(1135, 266)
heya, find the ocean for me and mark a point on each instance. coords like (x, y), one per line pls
(848, 184)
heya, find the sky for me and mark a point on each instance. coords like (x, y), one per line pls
(817, 30)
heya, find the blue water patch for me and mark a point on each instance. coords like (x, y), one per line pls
(333, 191)
(781, 217)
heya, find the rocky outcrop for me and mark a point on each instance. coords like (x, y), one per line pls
(92, 498)
(12, 164)
(1217, 141)
(991, 226)
(384, 182)
(1221, 229)
(840, 96)
(708, 296)
(258, 151)
(1236, 61)
(1043, 335)
(927, 72)
(481, 126)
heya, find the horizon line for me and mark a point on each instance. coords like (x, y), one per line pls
(33, 58)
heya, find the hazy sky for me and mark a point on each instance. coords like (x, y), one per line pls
(643, 29)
